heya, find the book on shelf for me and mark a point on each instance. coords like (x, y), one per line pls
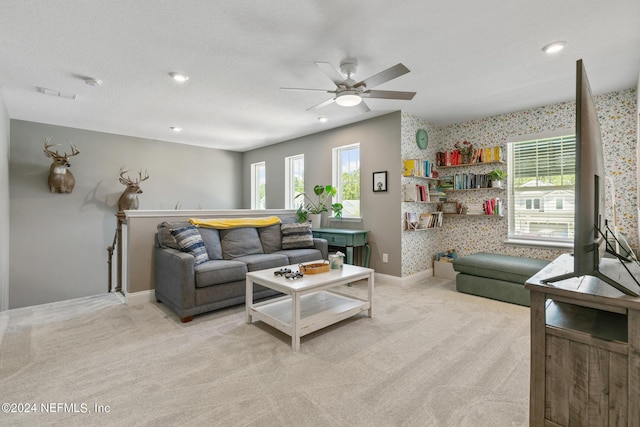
(430, 220)
(497, 153)
(470, 181)
(409, 192)
(423, 191)
(435, 195)
(410, 167)
(487, 155)
(494, 207)
(416, 193)
(411, 220)
(478, 155)
(418, 167)
(446, 181)
(475, 209)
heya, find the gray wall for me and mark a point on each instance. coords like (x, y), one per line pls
(58, 242)
(4, 206)
(379, 140)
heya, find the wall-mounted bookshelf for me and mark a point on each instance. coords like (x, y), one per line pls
(422, 221)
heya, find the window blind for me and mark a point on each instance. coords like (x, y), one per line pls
(543, 159)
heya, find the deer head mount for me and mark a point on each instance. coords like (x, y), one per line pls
(129, 198)
(61, 179)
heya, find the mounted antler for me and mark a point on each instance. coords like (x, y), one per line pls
(129, 198)
(61, 179)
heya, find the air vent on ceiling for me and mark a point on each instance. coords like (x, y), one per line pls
(59, 94)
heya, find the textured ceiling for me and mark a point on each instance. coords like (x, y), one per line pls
(468, 59)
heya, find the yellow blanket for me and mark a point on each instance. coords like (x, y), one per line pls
(224, 223)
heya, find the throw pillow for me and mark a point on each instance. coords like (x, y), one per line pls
(296, 236)
(271, 238)
(190, 240)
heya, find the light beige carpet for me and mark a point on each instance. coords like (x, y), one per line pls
(430, 357)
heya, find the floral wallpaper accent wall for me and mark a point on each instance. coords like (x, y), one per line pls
(467, 235)
(418, 247)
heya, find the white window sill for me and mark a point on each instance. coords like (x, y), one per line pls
(343, 219)
(539, 244)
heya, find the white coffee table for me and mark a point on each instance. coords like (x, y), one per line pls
(311, 302)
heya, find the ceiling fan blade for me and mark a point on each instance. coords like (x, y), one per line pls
(383, 76)
(321, 104)
(331, 72)
(388, 94)
(303, 88)
(364, 108)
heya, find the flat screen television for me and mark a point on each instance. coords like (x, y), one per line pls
(590, 231)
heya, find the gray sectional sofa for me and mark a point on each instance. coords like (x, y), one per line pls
(217, 279)
(496, 276)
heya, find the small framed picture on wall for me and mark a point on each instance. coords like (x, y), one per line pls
(379, 181)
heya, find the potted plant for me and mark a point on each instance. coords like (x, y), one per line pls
(314, 209)
(497, 176)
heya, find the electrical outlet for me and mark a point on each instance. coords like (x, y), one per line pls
(385, 257)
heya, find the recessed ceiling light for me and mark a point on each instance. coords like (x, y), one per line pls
(176, 129)
(323, 119)
(181, 78)
(554, 47)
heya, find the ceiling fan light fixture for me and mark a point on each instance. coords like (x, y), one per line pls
(348, 98)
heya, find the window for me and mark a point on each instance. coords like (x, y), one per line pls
(542, 174)
(294, 177)
(532, 204)
(258, 185)
(346, 178)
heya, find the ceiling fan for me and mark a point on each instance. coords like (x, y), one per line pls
(349, 93)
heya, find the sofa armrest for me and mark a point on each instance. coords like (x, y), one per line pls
(174, 278)
(323, 246)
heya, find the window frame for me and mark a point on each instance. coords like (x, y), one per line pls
(255, 185)
(513, 207)
(290, 195)
(336, 180)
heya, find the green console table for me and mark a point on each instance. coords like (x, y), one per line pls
(347, 239)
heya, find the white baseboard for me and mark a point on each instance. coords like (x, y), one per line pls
(403, 282)
(142, 297)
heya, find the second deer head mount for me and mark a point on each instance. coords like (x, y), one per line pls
(129, 198)
(61, 179)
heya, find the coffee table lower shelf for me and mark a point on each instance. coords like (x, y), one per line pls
(317, 310)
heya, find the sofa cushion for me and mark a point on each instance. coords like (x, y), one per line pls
(216, 272)
(165, 238)
(501, 267)
(297, 256)
(496, 289)
(241, 241)
(296, 236)
(211, 239)
(263, 261)
(190, 240)
(271, 238)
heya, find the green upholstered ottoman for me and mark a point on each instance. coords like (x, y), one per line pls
(496, 276)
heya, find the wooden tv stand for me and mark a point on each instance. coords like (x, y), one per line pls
(585, 350)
